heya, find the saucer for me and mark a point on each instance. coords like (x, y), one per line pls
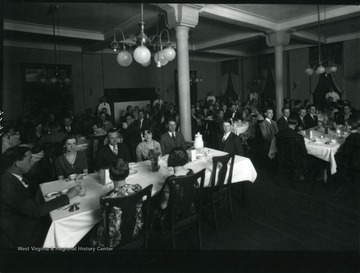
(53, 194)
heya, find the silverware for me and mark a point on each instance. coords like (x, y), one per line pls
(68, 206)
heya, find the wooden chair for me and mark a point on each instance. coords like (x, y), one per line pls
(184, 204)
(128, 206)
(290, 158)
(220, 190)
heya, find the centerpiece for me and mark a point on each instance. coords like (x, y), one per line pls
(154, 159)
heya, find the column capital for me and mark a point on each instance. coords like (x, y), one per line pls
(278, 37)
(182, 14)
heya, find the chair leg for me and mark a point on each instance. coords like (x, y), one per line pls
(230, 206)
(173, 239)
(214, 213)
(199, 233)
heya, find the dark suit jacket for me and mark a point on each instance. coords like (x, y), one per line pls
(268, 130)
(20, 214)
(232, 145)
(167, 143)
(146, 124)
(105, 156)
(229, 114)
(310, 122)
(282, 123)
(301, 123)
(340, 118)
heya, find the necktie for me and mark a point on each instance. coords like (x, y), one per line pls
(173, 136)
(115, 150)
(224, 138)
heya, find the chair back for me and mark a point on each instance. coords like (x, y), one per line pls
(288, 152)
(128, 206)
(218, 175)
(185, 198)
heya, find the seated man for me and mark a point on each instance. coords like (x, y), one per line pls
(291, 150)
(311, 119)
(345, 116)
(282, 122)
(23, 220)
(171, 139)
(301, 123)
(348, 155)
(54, 137)
(268, 127)
(230, 142)
(107, 153)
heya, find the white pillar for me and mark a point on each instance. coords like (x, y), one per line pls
(279, 78)
(182, 46)
(278, 39)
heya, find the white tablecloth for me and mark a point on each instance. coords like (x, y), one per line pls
(321, 150)
(317, 147)
(68, 228)
(240, 129)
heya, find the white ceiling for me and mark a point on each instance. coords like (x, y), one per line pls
(224, 31)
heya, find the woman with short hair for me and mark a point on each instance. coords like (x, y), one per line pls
(147, 145)
(71, 161)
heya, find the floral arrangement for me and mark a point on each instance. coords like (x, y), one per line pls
(154, 157)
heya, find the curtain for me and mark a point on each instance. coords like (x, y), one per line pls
(338, 79)
(235, 83)
(314, 82)
(224, 81)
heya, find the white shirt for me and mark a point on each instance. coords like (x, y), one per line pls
(171, 134)
(21, 180)
(226, 135)
(332, 94)
(268, 120)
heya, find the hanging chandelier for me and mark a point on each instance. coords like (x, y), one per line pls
(322, 65)
(54, 76)
(164, 51)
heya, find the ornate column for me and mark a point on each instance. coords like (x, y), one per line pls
(182, 17)
(278, 39)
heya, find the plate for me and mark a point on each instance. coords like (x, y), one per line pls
(53, 194)
(132, 172)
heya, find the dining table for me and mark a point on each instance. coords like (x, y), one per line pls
(240, 127)
(69, 227)
(320, 144)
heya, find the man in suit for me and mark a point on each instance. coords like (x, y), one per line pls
(171, 139)
(132, 135)
(107, 153)
(67, 126)
(293, 138)
(282, 122)
(23, 219)
(143, 123)
(311, 119)
(268, 127)
(233, 113)
(301, 123)
(230, 142)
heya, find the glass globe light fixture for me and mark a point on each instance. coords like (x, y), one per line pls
(159, 56)
(142, 54)
(169, 53)
(124, 58)
(320, 69)
(333, 68)
(309, 71)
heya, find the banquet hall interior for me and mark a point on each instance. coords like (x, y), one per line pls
(63, 60)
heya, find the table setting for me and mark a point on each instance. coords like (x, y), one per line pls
(240, 127)
(71, 222)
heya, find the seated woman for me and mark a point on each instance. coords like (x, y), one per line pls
(178, 157)
(119, 170)
(143, 148)
(71, 161)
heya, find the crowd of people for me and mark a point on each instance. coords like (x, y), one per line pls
(139, 135)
